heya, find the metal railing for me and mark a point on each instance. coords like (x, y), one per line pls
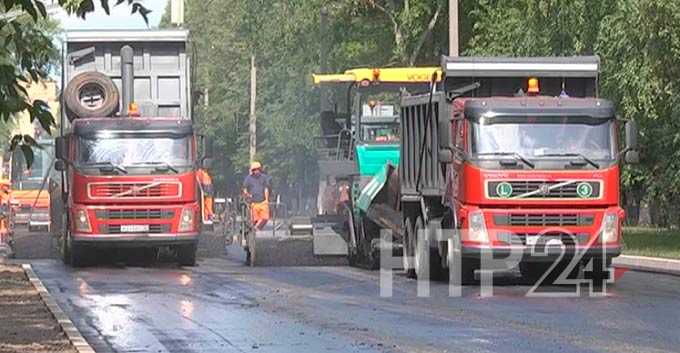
(342, 149)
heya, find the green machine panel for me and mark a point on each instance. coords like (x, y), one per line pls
(372, 158)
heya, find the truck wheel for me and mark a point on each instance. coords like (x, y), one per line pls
(469, 266)
(72, 254)
(77, 254)
(186, 254)
(65, 248)
(91, 94)
(407, 256)
(427, 262)
(370, 255)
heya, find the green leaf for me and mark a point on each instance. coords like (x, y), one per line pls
(28, 155)
(41, 8)
(105, 6)
(14, 142)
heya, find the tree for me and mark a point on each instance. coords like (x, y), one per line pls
(412, 23)
(27, 53)
(536, 27)
(640, 46)
(284, 36)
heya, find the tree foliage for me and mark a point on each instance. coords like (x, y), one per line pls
(285, 38)
(640, 46)
(638, 42)
(27, 52)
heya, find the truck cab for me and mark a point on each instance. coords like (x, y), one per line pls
(526, 162)
(540, 169)
(30, 198)
(128, 154)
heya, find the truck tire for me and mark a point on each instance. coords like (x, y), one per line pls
(77, 254)
(91, 94)
(72, 254)
(186, 254)
(408, 253)
(469, 266)
(369, 255)
(62, 235)
(65, 250)
(426, 262)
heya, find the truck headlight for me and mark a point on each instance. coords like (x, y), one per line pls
(186, 221)
(477, 227)
(82, 221)
(610, 229)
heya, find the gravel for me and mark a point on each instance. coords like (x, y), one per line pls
(26, 325)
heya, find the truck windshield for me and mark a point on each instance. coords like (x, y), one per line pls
(126, 152)
(381, 133)
(543, 137)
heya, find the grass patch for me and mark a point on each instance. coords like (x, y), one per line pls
(651, 242)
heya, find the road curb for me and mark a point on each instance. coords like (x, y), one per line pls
(648, 264)
(72, 333)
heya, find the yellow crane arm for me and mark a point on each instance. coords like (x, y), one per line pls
(387, 75)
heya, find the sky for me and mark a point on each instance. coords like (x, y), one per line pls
(120, 17)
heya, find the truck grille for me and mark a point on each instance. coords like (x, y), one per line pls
(132, 190)
(521, 238)
(115, 228)
(542, 189)
(151, 213)
(543, 219)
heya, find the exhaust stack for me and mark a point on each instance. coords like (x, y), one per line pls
(127, 73)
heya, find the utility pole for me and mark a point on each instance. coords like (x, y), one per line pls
(253, 117)
(323, 56)
(453, 28)
(177, 12)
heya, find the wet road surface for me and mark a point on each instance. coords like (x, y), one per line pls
(223, 306)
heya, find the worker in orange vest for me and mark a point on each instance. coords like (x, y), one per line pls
(256, 191)
(208, 191)
(4, 210)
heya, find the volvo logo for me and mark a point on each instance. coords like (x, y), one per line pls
(544, 189)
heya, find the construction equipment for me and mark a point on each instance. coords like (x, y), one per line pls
(356, 145)
(515, 156)
(30, 198)
(128, 152)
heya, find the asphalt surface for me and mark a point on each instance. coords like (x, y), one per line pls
(223, 306)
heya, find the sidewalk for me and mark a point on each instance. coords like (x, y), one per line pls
(648, 264)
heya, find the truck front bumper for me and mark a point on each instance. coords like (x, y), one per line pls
(540, 254)
(135, 239)
(21, 218)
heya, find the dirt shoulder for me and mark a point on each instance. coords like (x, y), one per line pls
(26, 324)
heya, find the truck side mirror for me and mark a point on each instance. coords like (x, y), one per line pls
(207, 163)
(632, 157)
(444, 134)
(207, 147)
(59, 165)
(61, 148)
(631, 135)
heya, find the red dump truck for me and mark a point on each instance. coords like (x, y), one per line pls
(515, 155)
(128, 161)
